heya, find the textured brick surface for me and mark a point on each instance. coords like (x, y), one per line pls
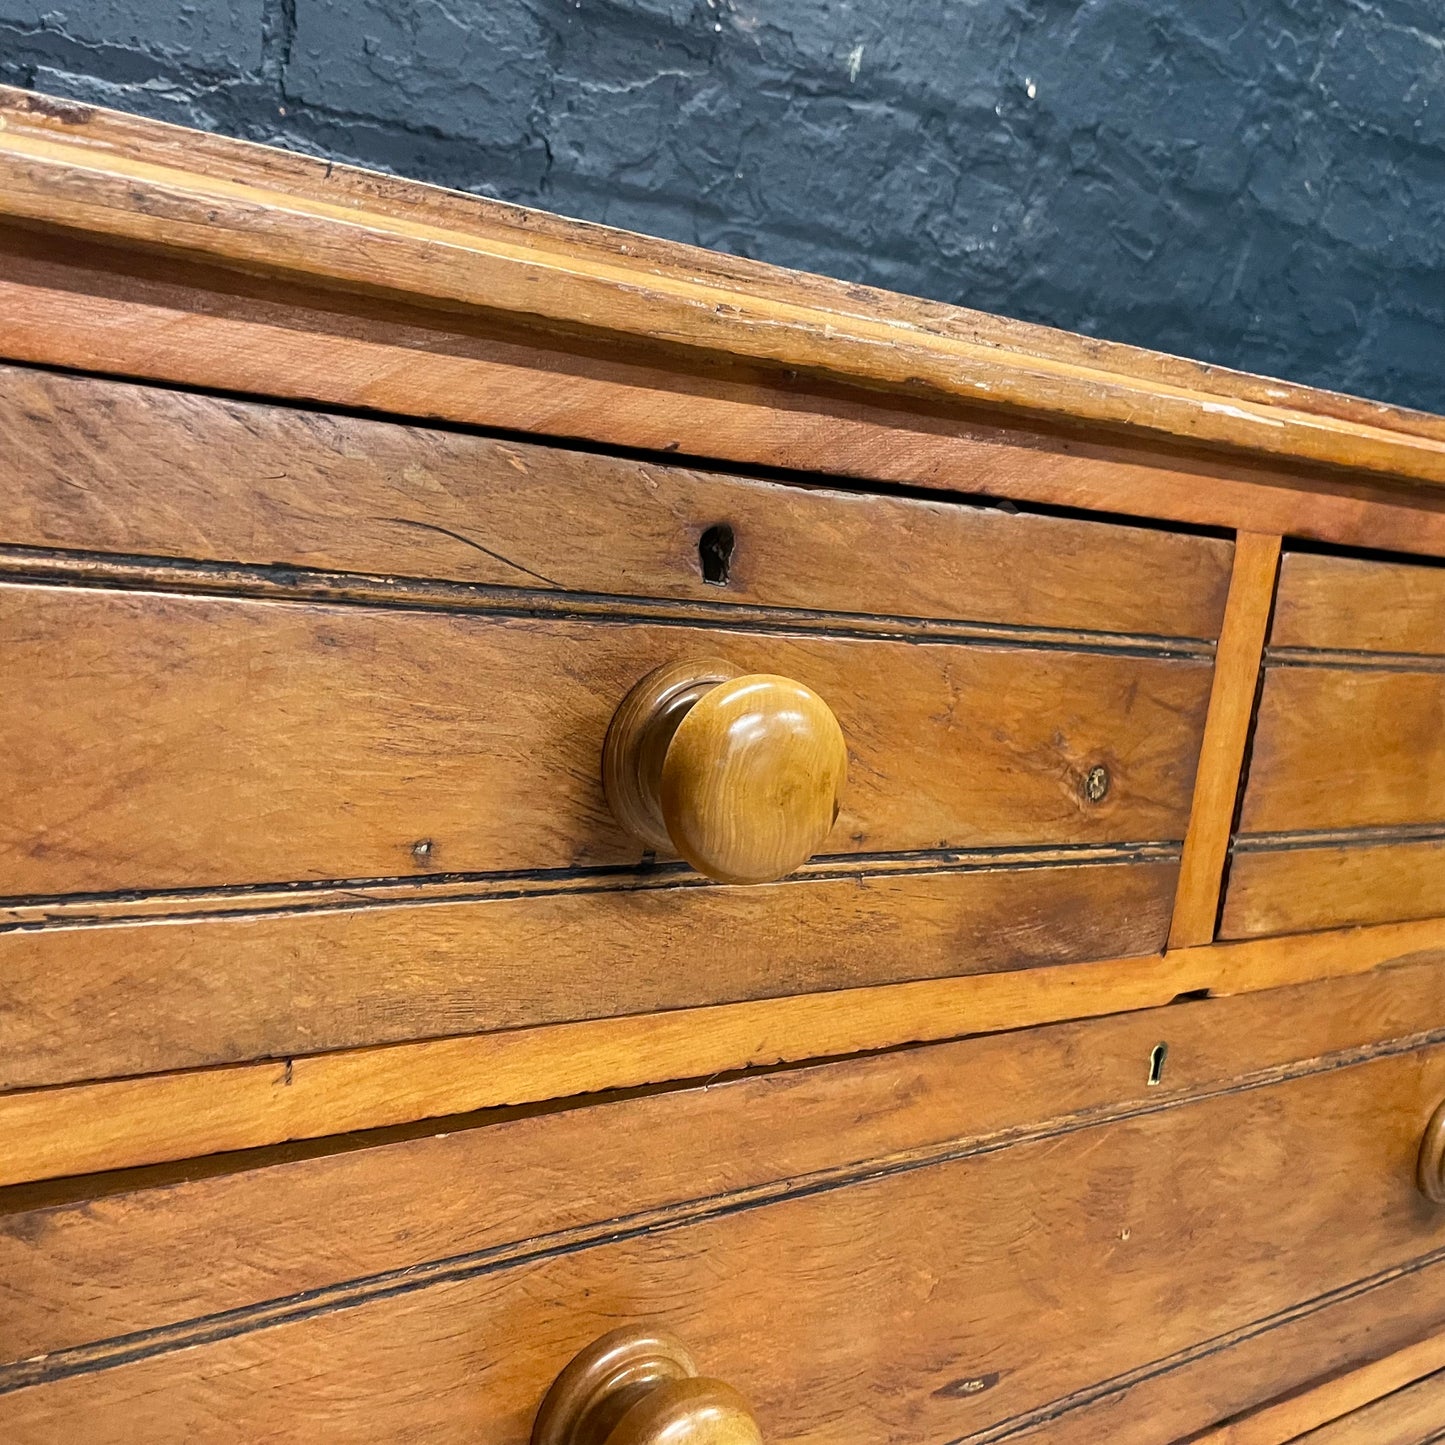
(202, 34)
(1255, 182)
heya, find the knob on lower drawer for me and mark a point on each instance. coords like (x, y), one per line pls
(740, 774)
(639, 1386)
(1430, 1171)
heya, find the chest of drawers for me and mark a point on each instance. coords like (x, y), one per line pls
(561, 788)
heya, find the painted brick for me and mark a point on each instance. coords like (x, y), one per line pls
(209, 34)
(473, 68)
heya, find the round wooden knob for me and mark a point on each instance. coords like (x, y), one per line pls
(639, 1386)
(1430, 1170)
(741, 774)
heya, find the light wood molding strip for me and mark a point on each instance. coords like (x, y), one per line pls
(1226, 734)
(1285, 1420)
(55, 178)
(52, 1132)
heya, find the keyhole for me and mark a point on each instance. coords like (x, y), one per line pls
(715, 553)
(1156, 1063)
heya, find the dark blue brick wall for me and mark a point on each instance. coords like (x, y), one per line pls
(1254, 182)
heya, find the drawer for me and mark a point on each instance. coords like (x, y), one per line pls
(306, 713)
(1121, 1230)
(1343, 816)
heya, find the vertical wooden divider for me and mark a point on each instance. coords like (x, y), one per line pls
(1226, 732)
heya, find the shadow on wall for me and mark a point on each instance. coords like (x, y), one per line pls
(1259, 183)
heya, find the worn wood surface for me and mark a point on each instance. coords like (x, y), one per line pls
(1334, 603)
(106, 132)
(174, 742)
(1344, 810)
(104, 466)
(1345, 1326)
(75, 1268)
(1346, 747)
(1014, 1237)
(50, 175)
(1333, 1399)
(1039, 1266)
(1226, 732)
(48, 1132)
(167, 319)
(1289, 890)
(163, 993)
(1414, 1415)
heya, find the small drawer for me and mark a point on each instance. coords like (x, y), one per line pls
(1343, 817)
(982, 1240)
(305, 719)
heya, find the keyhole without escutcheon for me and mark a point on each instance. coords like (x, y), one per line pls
(715, 553)
(1157, 1055)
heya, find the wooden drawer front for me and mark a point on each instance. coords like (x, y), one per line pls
(1006, 1238)
(261, 805)
(1343, 818)
(135, 471)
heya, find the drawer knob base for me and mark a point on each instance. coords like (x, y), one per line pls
(1430, 1169)
(638, 1386)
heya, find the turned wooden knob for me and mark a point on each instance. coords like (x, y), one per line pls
(639, 1386)
(1430, 1170)
(739, 773)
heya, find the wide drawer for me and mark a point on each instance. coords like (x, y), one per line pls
(304, 717)
(1123, 1230)
(1343, 815)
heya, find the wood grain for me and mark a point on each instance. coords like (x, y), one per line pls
(1360, 604)
(105, 466)
(1039, 1268)
(1333, 1400)
(1226, 732)
(141, 997)
(75, 1268)
(116, 132)
(55, 179)
(753, 778)
(46, 1133)
(1183, 1403)
(1338, 747)
(1410, 1416)
(174, 742)
(1344, 781)
(1289, 890)
(172, 321)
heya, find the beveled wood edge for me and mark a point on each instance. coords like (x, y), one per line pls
(109, 131)
(1285, 1420)
(136, 182)
(1226, 734)
(86, 1128)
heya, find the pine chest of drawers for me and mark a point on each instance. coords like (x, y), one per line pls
(606, 844)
